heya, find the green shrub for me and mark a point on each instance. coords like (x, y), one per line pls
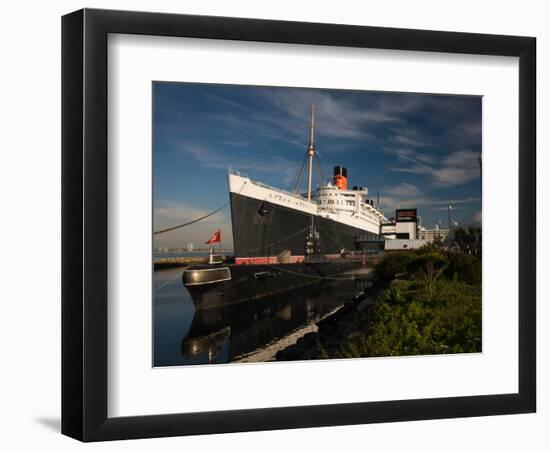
(435, 309)
(463, 267)
(392, 264)
(459, 266)
(427, 314)
(407, 321)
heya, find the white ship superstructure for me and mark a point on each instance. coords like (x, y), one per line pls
(350, 207)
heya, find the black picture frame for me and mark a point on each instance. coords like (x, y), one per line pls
(84, 224)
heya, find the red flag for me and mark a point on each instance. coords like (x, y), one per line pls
(216, 237)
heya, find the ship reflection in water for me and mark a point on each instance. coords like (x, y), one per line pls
(248, 331)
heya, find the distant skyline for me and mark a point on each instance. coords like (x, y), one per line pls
(418, 150)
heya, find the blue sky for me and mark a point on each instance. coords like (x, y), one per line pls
(418, 150)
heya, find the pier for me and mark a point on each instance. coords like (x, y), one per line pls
(183, 261)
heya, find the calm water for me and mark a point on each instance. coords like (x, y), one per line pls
(183, 336)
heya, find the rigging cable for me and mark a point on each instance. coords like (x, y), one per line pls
(198, 219)
(320, 169)
(300, 175)
(318, 277)
(167, 282)
(286, 238)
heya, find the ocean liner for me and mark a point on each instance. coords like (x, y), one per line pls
(273, 226)
(286, 240)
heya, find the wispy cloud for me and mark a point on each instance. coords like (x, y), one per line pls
(457, 168)
(404, 140)
(402, 195)
(205, 156)
(219, 159)
(454, 169)
(336, 118)
(407, 195)
(453, 202)
(227, 101)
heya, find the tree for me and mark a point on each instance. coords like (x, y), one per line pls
(469, 241)
(428, 267)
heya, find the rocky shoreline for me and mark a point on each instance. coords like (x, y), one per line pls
(332, 330)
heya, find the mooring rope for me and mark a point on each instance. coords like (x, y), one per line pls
(167, 282)
(198, 219)
(319, 277)
(286, 238)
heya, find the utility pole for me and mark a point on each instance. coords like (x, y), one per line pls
(311, 150)
(450, 207)
(480, 174)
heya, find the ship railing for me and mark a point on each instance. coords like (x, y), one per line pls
(239, 173)
(267, 186)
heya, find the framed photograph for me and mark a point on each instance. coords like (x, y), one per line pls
(273, 225)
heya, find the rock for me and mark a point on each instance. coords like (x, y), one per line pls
(332, 331)
(285, 354)
(354, 334)
(309, 339)
(327, 329)
(309, 354)
(345, 325)
(364, 304)
(323, 338)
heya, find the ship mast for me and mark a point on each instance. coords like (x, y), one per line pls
(311, 150)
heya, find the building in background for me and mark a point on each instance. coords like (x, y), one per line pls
(433, 235)
(406, 223)
(404, 232)
(403, 226)
(403, 244)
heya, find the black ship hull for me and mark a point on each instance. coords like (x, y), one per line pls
(263, 232)
(236, 283)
